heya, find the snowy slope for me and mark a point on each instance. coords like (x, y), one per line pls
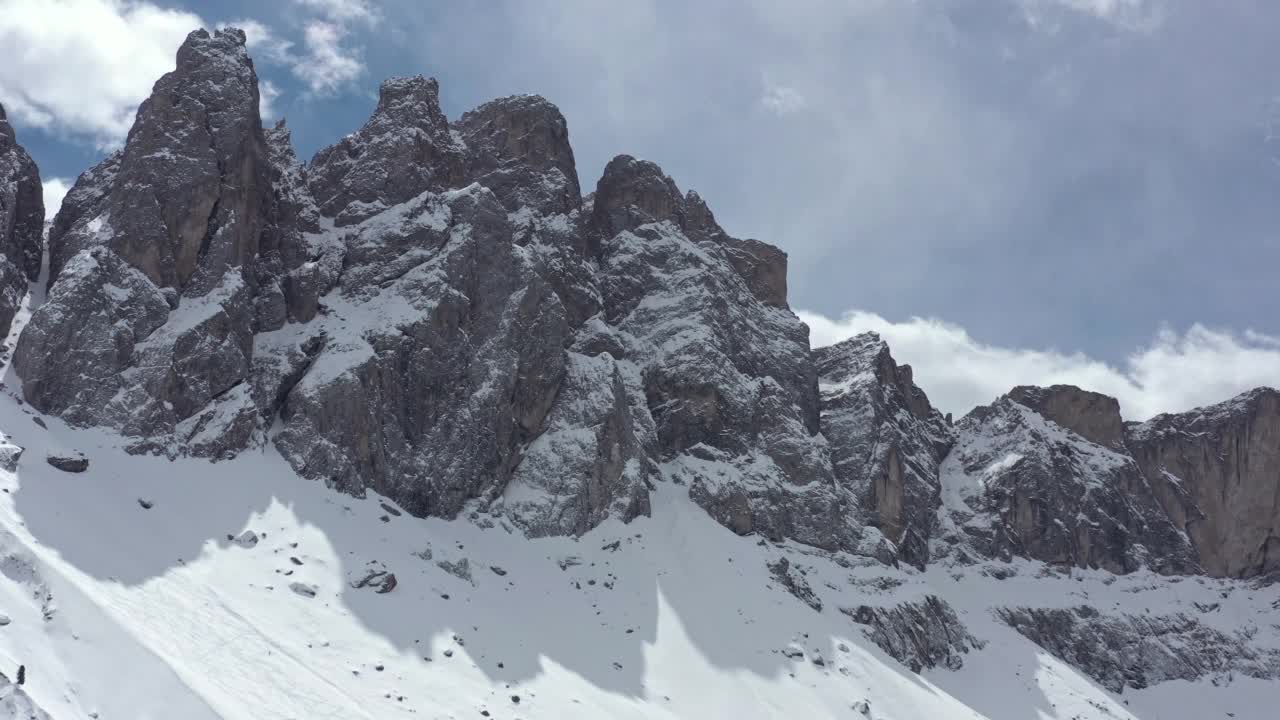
(131, 612)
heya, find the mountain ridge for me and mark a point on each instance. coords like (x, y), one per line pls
(431, 314)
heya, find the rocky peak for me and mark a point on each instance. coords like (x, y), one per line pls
(1216, 472)
(190, 188)
(21, 222)
(411, 100)
(886, 441)
(634, 192)
(1091, 415)
(518, 146)
(404, 149)
(1020, 484)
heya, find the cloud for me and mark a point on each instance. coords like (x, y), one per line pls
(328, 64)
(267, 95)
(1040, 171)
(781, 99)
(262, 41)
(1176, 372)
(54, 190)
(82, 66)
(342, 11)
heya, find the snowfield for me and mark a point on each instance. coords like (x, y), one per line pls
(123, 611)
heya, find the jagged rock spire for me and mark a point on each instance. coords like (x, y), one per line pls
(404, 149)
(518, 147)
(21, 222)
(887, 441)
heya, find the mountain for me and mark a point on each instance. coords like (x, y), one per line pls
(418, 428)
(21, 222)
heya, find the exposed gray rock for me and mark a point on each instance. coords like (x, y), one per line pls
(792, 578)
(21, 203)
(188, 200)
(518, 147)
(1093, 416)
(405, 149)
(923, 634)
(1216, 473)
(151, 314)
(728, 379)
(460, 569)
(1134, 651)
(886, 440)
(21, 222)
(303, 589)
(1019, 484)
(593, 459)
(68, 462)
(441, 364)
(73, 353)
(82, 216)
(10, 453)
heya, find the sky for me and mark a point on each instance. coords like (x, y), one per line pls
(1066, 190)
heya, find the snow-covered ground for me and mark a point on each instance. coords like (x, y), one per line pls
(132, 592)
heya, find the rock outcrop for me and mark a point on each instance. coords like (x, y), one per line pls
(21, 222)
(1093, 416)
(919, 634)
(886, 440)
(1216, 473)
(1018, 483)
(1137, 650)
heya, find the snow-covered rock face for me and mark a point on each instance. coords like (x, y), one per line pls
(404, 149)
(162, 261)
(429, 311)
(886, 442)
(21, 222)
(518, 147)
(1216, 472)
(1136, 650)
(1017, 483)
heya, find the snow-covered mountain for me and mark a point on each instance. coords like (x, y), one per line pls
(417, 429)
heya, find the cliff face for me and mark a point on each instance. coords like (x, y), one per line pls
(887, 442)
(430, 310)
(1216, 472)
(21, 222)
(1020, 484)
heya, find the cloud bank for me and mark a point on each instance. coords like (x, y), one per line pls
(82, 66)
(1175, 372)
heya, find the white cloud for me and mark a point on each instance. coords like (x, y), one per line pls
(1176, 372)
(782, 99)
(82, 66)
(54, 190)
(342, 11)
(262, 41)
(267, 94)
(328, 64)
